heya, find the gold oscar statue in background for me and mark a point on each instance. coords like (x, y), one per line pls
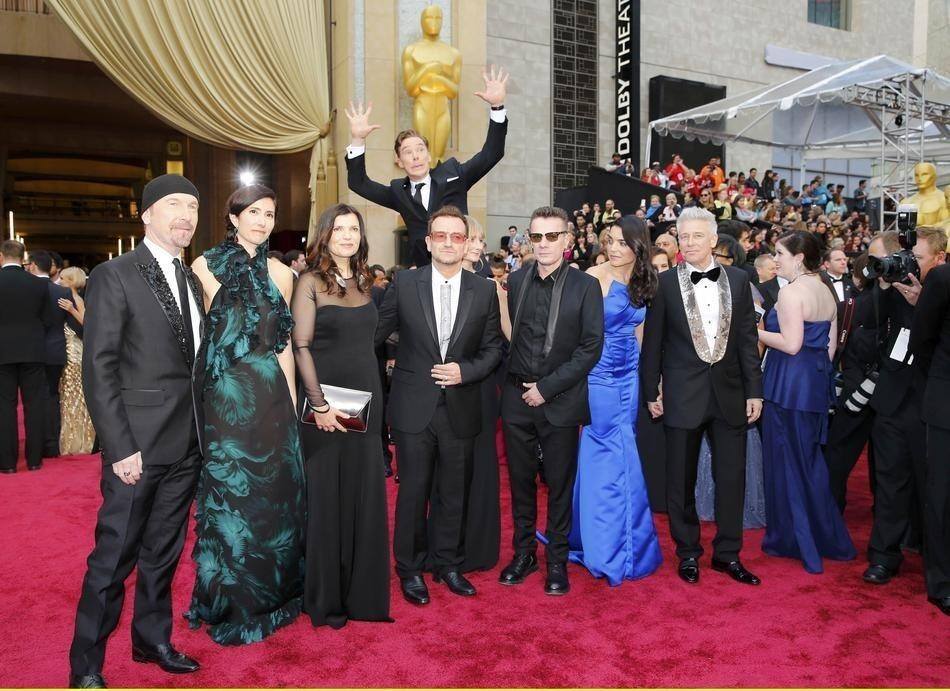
(431, 72)
(930, 202)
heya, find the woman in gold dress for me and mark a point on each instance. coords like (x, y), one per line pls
(77, 435)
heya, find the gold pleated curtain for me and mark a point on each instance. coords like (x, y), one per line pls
(242, 74)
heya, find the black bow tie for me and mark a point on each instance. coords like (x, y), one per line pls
(712, 275)
(836, 280)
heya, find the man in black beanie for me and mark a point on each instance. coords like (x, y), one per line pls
(144, 315)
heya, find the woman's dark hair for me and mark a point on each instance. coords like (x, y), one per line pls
(321, 262)
(240, 199)
(644, 279)
(806, 244)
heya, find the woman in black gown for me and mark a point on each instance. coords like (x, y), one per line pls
(347, 556)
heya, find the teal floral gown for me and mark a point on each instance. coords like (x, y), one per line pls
(251, 503)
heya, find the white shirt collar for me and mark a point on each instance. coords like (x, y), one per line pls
(438, 278)
(427, 181)
(6, 264)
(711, 265)
(160, 253)
(46, 276)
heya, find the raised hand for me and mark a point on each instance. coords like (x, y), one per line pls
(359, 122)
(496, 81)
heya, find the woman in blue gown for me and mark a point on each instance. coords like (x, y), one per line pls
(612, 534)
(803, 519)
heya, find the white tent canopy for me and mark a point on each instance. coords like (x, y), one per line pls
(784, 115)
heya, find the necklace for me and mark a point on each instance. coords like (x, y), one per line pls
(804, 273)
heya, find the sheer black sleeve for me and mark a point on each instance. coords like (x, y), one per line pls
(304, 308)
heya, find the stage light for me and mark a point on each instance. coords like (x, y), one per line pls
(247, 178)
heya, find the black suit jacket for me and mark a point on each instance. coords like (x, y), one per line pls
(451, 182)
(897, 380)
(55, 333)
(689, 381)
(475, 345)
(24, 315)
(930, 344)
(137, 368)
(769, 291)
(576, 345)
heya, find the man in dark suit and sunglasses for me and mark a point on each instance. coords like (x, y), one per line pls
(557, 333)
(426, 188)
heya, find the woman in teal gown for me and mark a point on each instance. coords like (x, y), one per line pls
(251, 505)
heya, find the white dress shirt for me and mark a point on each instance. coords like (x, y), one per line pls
(707, 300)
(166, 263)
(426, 183)
(455, 288)
(838, 283)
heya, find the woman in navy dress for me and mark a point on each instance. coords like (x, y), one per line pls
(612, 533)
(803, 520)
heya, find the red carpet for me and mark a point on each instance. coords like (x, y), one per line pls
(794, 630)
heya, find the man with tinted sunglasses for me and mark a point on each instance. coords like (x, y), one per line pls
(557, 336)
(449, 341)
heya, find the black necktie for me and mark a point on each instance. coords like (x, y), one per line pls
(712, 275)
(185, 305)
(417, 193)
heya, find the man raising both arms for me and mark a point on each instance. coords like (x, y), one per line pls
(426, 187)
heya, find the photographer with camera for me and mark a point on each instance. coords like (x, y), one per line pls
(930, 344)
(857, 360)
(899, 434)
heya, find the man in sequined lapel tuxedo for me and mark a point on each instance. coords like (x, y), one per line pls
(143, 328)
(700, 336)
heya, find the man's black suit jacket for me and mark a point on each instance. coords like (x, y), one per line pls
(137, 368)
(688, 381)
(55, 332)
(475, 345)
(450, 181)
(24, 314)
(576, 345)
(769, 290)
(930, 344)
(896, 380)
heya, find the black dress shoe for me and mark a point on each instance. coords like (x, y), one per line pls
(87, 681)
(878, 574)
(166, 657)
(736, 571)
(457, 583)
(34, 467)
(942, 603)
(8, 471)
(519, 569)
(414, 590)
(556, 583)
(689, 569)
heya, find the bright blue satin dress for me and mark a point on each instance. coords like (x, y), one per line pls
(803, 520)
(612, 532)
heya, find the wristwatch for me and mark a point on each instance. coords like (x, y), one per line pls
(501, 107)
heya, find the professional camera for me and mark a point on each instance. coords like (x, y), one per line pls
(895, 268)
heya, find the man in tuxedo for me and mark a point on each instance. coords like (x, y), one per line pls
(25, 311)
(144, 316)
(700, 335)
(899, 433)
(41, 266)
(449, 341)
(769, 290)
(930, 344)
(426, 188)
(557, 333)
(835, 268)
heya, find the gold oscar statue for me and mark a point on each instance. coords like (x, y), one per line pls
(931, 203)
(431, 72)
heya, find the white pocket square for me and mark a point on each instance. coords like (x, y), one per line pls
(451, 179)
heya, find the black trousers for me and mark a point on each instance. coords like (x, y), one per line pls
(900, 462)
(435, 452)
(29, 379)
(54, 421)
(848, 434)
(525, 428)
(937, 513)
(727, 444)
(144, 523)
